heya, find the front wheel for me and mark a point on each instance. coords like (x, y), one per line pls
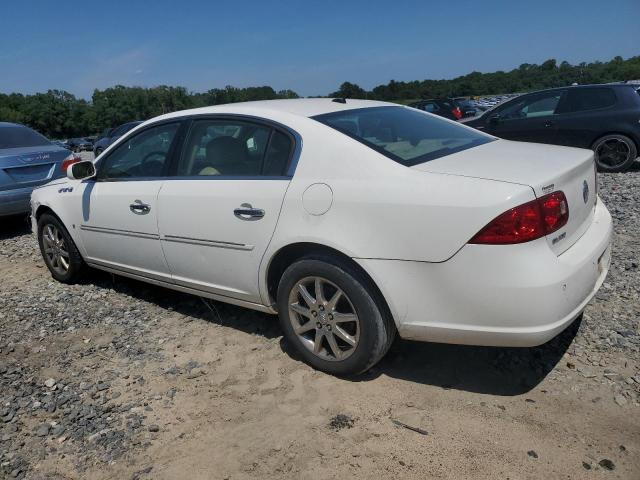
(614, 153)
(331, 314)
(58, 250)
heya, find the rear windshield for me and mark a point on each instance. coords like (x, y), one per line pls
(18, 136)
(405, 135)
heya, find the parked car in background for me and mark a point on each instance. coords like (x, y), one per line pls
(79, 145)
(604, 118)
(111, 135)
(444, 107)
(27, 160)
(468, 107)
(454, 236)
(105, 133)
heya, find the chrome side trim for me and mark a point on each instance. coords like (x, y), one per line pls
(115, 231)
(207, 243)
(220, 298)
(150, 274)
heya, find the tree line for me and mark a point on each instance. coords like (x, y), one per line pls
(59, 114)
(527, 77)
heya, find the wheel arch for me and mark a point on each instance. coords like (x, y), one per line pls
(69, 226)
(42, 209)
(288, 254)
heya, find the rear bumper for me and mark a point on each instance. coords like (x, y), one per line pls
(16, 201)
(510, 295)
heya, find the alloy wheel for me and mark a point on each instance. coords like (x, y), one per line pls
(613, 152)
(324, 319)
(55, 249)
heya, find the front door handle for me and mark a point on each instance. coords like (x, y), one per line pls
(247, 212)
(139, 208)
(548, 123)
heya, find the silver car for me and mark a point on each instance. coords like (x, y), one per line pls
(27, 160)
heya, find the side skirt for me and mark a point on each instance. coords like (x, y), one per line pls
(192, 291)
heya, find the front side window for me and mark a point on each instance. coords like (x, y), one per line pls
(581, 99)
(539, 105)
(405, 135)
(19, 136)
(145, 154)
(233, 148)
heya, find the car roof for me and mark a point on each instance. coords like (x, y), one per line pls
(593, 85)
(9, 124)
(304, 107)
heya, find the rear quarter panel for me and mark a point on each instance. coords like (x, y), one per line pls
(381, 209)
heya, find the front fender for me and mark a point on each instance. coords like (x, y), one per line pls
(63, 199)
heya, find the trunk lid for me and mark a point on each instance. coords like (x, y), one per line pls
(544, 168)
(30, 166)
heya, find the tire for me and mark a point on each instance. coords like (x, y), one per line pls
(614, 153)
(372, 331)
(54, 241)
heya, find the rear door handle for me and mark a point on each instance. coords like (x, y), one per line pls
(548, 123)
(139, 208)
(247, 212)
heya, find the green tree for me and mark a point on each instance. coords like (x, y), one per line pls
(349, 90)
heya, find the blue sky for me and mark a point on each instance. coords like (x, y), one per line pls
(308, 46)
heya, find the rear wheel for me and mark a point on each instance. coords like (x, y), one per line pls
(330, 313)
(614, 153)
(58, 250)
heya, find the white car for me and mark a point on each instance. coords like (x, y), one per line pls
(353, 220)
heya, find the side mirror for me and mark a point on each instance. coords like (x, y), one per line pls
(81, 170)
(495, 119)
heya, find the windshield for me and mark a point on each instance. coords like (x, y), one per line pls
(405, 135)
(19, 136)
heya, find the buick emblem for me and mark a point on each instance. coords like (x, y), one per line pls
(585, 191)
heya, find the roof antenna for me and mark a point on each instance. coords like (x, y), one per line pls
(339, 100)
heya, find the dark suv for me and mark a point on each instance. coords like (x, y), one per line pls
(79, 145)
(604, 118)
(445, 107)
(111, 135)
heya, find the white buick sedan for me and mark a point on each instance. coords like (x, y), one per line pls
(352, 220)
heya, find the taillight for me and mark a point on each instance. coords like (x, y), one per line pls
(457, 113)
(526, 222)
(67, 162)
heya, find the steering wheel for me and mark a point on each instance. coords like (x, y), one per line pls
(151, 166)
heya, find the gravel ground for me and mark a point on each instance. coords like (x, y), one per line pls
(113, 378)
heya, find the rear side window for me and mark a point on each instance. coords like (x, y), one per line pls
(278, 154)
(234, 148)
(405, 135)
(19, 136)
(581, 99)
